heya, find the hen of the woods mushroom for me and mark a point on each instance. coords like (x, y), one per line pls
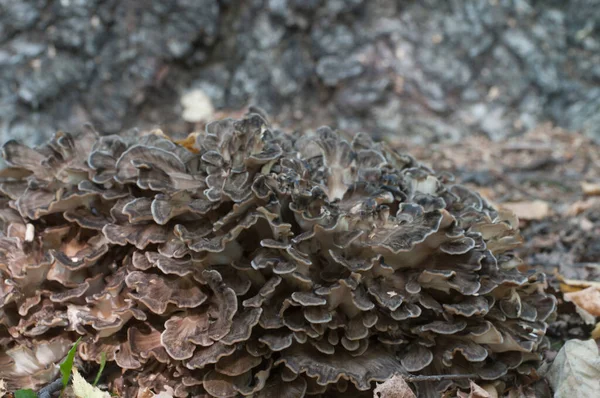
(251, 262)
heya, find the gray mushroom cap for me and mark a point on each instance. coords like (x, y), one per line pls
(245, 261)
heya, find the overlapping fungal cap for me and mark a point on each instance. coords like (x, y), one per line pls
(257, 263)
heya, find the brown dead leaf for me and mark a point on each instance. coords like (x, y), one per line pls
(582, 205)
(590, 188)
(587, 303)
(596, 332)
(147, 393)
(522, 392)
(529, 210)
(487, 391)
(574, 285)
(189, 142)
(588, 299)
(395, 387)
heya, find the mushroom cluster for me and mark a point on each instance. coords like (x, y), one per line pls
(245, 261)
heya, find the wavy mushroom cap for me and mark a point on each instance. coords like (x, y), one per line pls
(256, 263)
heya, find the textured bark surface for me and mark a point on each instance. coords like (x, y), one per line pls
(426, 70)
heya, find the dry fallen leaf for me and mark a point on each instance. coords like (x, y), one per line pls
(487, 391)
(573, 295)
(587, 299)
(395, 387)
(145, 393)
(576, 370)
(574, 285)
(534, 210)
(582, 205)
(596, 332)
(590, 188)
(83, 389)
(491, 390)
(189, 142)
(521, 392)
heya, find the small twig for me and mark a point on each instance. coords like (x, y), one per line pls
(537, 164)
(50, 389)
(526, 147)
(420, 378)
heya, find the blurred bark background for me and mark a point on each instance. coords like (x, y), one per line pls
(426, 71)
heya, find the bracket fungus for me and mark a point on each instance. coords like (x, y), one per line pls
(253, 262)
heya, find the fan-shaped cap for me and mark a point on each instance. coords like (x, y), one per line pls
(416, 358)
(469, 307)
(374, 365)
(183, 333)
(158, 292)
(237, 364)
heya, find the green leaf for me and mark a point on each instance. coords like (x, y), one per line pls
(25, 394)
(102, 363)
(67, 365)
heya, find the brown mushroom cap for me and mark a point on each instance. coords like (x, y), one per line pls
(251, 262)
